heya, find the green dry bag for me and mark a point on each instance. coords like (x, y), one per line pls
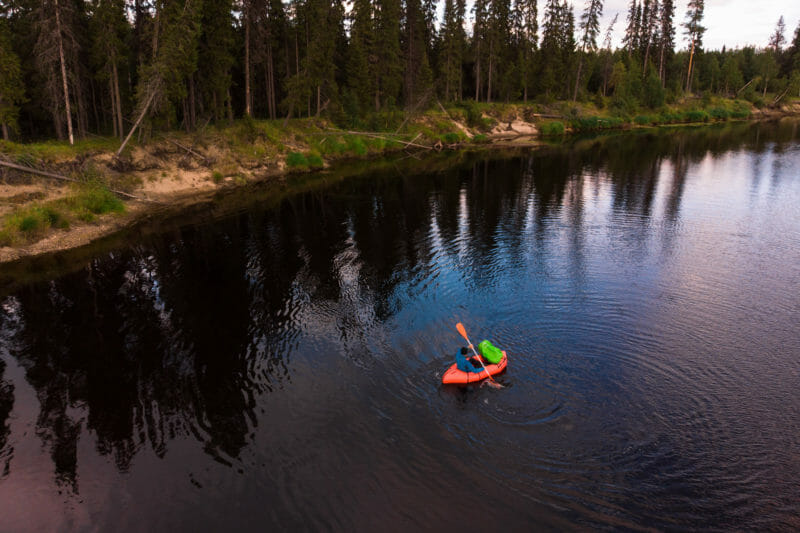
(489, 352)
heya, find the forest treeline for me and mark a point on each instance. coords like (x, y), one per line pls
(72, 68)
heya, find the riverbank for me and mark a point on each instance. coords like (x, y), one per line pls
(41, 214)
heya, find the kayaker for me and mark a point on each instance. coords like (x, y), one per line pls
(467, 365)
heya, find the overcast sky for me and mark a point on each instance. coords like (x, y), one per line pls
(734, 23)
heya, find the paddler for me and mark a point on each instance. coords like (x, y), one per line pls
(489, 352)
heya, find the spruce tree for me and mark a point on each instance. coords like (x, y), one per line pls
(649, 29)
(361, 57)
(778, 39)
(451, 50)
(12, 89)
(631, 39)
(389, 71)
(551, 44)
(590, 26)
(666, 38)
(480, 30)
(607, 53)
(694, 30)
(525, 28)
(499, 37)
(109, 30)
(215, 58)
(56, 49)
(417, 76)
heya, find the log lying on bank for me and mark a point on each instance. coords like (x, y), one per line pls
(203, 158)
(59, 177)
(382, 136)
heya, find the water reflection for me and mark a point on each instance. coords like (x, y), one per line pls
(185, 335)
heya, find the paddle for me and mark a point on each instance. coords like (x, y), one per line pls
(463, 332)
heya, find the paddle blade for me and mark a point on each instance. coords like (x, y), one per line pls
(462, 331)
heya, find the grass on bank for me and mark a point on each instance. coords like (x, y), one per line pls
(32, 222)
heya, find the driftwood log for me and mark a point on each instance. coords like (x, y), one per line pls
(53, 175)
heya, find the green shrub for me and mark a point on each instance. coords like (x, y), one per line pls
(472, 113)
(451, 138)
(356, 145)
(315, 161)
(644, 120)
(480, 139)
(552, 128)
(740, 110)
(217, 176)
(696, 116)
(599, 101)
(719, 113)
(296, 159)
(97, 200)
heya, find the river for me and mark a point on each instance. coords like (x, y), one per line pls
(277, 366)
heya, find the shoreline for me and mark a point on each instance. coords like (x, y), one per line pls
(167, 186)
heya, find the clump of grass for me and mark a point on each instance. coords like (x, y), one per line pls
(645, 120)
(451, 138)
(217, 177)
(296, 159)
(31, 222)
(549, 129)
(480, 139)
(315, 161)
(356, 145)
(94, 200)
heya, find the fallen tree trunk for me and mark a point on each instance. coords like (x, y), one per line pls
(55, 176)
(189, 150)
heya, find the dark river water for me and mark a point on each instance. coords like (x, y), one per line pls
(277, 365)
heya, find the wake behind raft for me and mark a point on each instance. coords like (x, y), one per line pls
(493, 362)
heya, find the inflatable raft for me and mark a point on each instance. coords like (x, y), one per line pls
(457, 377)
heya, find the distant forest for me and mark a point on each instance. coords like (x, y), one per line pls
(72, 68)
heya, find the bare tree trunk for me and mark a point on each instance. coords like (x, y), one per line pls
(5, 131)
(247, 101)
(577, 78)
(113, 107)
(447, 81)
(64, 73)
(94, 106)
(118, 108)
(489, 88)
(319, 95)
(478, 73)
(689, 72)
(377, 92)
(192, 103)
(138, 121)
(661, 65)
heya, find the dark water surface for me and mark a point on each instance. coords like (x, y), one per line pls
(278, 368)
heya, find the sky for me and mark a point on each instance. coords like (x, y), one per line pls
(733, 23)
